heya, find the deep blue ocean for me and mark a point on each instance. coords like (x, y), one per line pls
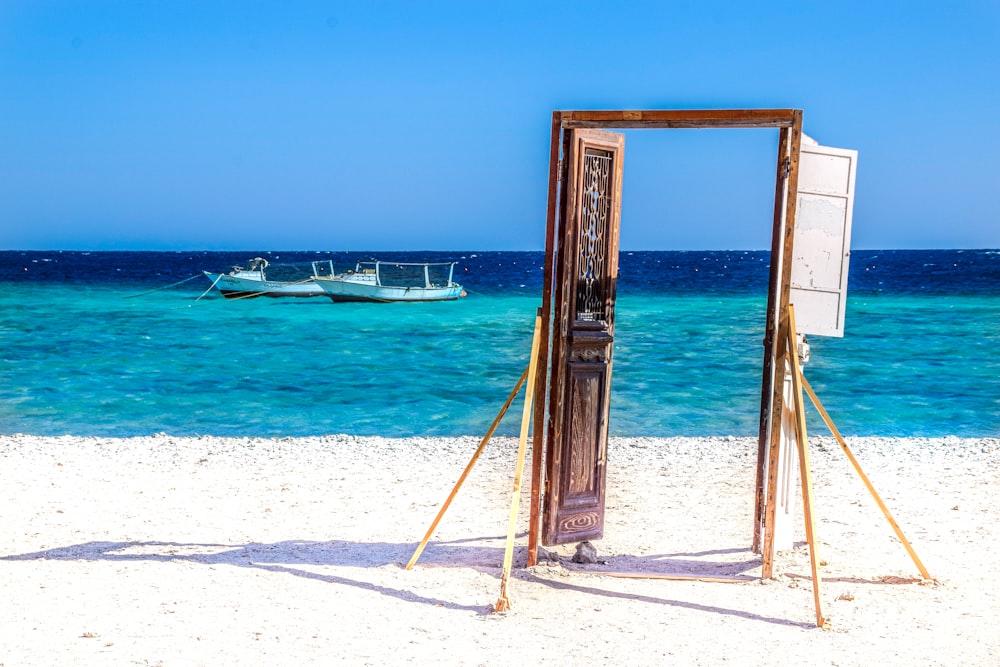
(86, 348)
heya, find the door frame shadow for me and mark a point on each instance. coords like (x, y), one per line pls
(294, 556)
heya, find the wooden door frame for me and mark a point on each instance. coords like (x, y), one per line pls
(789, 124)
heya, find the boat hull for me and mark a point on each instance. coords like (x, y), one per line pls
(350, 291)
(233, 287)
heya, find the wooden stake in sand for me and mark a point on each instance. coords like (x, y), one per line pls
(468, 469)
(503, 603)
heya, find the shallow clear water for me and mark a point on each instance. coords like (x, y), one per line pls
(77, 356)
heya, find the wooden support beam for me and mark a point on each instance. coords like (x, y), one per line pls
(678, 118)
(672, 577)
(804, 469)
(468, 469)
(503, 603)
(864, 478)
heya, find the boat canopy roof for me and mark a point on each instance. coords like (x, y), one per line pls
(379, 261)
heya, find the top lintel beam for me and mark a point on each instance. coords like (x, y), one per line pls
(679, 118)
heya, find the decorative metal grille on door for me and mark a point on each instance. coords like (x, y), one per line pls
(591, 297)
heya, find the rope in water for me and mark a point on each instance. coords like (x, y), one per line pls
(217, 278)
(242, 296)
(179, 282)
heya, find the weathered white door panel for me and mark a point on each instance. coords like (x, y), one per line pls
(822, 244)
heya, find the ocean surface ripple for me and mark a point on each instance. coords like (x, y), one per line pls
(77, 357)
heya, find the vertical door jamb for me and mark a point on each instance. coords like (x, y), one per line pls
(542, 376)
(770, 329)
(780, 347)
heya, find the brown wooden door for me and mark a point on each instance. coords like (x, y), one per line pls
(583, 336)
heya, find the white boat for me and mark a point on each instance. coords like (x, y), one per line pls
(393, 281)
(244, 283)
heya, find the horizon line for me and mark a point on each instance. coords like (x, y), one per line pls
(467, 251)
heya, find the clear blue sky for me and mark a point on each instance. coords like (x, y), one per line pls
(424, 125)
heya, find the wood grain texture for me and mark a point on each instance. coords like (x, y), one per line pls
(586, 270)
(781, 341)
(769, 374)
(542, 385)
(678, 118)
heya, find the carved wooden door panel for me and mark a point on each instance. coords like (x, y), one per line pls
(583, 336)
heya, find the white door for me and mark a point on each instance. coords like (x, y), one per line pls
(822, 245)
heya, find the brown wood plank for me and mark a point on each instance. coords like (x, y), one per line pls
(587, 386)
(719, 579)
(770, 328)
(791, 196)
(771, 491)
(791, 203)
(678, 118)
(553, 454)
(542, 384)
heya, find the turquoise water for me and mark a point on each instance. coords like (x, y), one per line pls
(913, 365)
(78, 357)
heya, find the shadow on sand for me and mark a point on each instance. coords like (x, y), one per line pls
(297, 557)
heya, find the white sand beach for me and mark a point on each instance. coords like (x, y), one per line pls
(219, 551)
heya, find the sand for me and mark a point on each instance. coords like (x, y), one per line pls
(217, 551)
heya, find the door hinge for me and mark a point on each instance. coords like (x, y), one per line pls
(786, 166)
(559, 170)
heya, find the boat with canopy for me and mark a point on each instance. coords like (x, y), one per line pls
(377, 281)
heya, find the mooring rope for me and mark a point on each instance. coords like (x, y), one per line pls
(242, 296)
(217, 278)
(179, 282)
